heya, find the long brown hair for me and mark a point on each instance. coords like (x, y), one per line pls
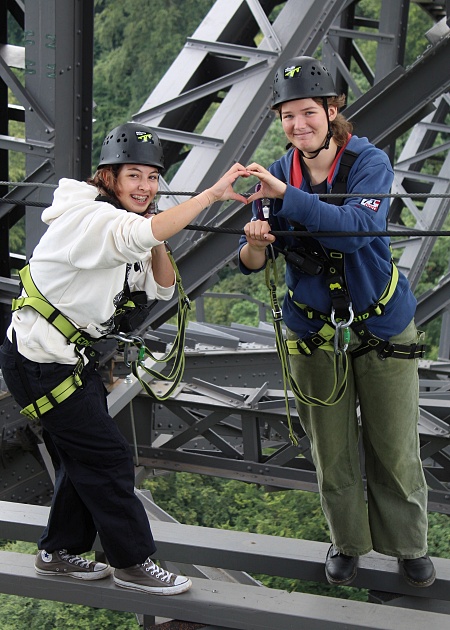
(340, 126)
(105, 179)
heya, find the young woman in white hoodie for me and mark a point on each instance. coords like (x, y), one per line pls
(101, 241)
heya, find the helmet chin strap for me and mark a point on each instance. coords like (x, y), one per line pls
(326, 144)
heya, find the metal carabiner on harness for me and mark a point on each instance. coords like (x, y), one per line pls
(343, 325)
(127, 342)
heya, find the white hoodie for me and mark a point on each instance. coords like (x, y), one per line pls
(79, 265)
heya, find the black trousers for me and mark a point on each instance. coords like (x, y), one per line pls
(94, 471)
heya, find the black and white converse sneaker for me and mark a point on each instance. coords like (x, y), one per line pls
(151, 578)
(63, 563)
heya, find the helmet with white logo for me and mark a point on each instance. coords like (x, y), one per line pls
(132, 143)
(301, 77)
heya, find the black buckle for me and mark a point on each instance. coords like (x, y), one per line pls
(277, 315)
(386, 351)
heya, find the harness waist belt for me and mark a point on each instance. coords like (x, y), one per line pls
(375, 309)
(384, 349)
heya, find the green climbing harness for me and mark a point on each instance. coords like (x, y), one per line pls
(83, 344)
(334, 335)
(311, 258)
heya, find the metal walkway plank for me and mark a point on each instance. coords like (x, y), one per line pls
(231, 605)
(243, 551)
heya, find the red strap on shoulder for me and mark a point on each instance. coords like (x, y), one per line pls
(296, 175)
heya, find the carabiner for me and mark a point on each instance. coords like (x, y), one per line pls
(142, 350)
(343, 325)
(346, 323)
(337, 349)
(127, 341)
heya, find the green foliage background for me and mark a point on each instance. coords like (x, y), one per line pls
(210, 502)
(135, 43)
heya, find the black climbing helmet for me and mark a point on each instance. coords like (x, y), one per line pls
(301, 77)
(132, 143)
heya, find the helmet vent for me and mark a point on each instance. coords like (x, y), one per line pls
(301, 77)
(131, 143)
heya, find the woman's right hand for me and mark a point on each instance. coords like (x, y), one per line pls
(223, 190)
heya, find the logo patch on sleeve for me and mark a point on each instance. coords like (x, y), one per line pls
(373, 204)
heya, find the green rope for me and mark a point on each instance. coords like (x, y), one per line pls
(176, 353)
(340, 360)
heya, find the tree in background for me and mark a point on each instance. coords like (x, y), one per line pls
(135, 43)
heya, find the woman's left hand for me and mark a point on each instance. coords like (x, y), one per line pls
(271, 186)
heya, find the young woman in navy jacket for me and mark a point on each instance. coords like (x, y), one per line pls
(370, 299)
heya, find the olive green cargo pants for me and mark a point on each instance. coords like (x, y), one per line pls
(393, 521)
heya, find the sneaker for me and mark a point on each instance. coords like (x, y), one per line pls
(339, 568)
(151, 578)
(418, 571)
(63, 563)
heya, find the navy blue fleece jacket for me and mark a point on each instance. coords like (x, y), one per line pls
(367, 258)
